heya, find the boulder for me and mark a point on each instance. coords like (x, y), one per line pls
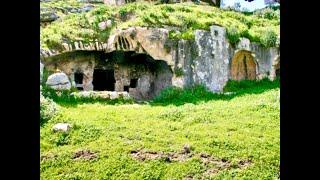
(59, 81)
(61, 127)
(102, 25)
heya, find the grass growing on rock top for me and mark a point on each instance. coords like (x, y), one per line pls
(183, 17)
(243, 127)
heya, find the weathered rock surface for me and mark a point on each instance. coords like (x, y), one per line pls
(152, 41)
(48, 15)
(211, 66)
(59, 81)
(102, 94)
(62, 127)
(41, 71)
(209, 59)
(114, 2)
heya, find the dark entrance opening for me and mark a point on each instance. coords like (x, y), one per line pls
(103, 80)
(278, 72)
(126, 88)
(78, 78)
(133, 83)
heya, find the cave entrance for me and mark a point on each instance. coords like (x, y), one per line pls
(78, 78)
(243, 66)
(103, 80)
(278, 72)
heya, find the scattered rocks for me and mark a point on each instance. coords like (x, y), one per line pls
(59, 81)
(62, 127)
(102, 94)
(105, 24)
(85, 154)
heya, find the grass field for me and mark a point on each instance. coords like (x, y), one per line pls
(239, 135)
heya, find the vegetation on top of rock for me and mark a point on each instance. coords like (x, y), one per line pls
(184, 18)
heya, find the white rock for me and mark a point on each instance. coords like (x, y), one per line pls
(114, 95)
(59, 81)
(102, 25)
(62, 127)
(41, 71)
(109, 23)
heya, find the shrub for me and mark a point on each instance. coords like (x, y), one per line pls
(233, 35)
(269, 38)
(48, 109)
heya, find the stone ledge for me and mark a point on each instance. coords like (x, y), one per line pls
(102, 94)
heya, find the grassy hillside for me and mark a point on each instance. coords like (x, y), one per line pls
(242, 134)
(183, 18)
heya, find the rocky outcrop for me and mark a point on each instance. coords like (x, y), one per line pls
(58, 81)
(47, 15)
(152, 41)
(211, 66)
(209, 59)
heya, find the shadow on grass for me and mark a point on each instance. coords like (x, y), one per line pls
(197, 94)
(176, 96)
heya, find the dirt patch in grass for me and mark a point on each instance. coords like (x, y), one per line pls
(85, 154)
(215, 165)
(47, 157)
(212, 164)
(143, 155)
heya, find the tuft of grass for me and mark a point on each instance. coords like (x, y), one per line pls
(199, 93)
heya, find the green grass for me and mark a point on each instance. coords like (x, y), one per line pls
(186, 17)
(243, 126)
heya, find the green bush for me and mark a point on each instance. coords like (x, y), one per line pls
(269, 38)
(233, 35)
(48, 109)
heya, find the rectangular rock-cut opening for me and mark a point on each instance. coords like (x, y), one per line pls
(103, 80)
(133, 83)
(78, 78)
(126, 88)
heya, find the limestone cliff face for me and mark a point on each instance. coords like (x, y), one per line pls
(211, 66)
(152, 41)
(209, 59)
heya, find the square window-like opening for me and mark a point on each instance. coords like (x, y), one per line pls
(215, 32)
(133, 83)
(78, 78)
(126, 88)
(103, 80)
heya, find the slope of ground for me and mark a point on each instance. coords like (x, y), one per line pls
(181, 19)
(224, 138)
